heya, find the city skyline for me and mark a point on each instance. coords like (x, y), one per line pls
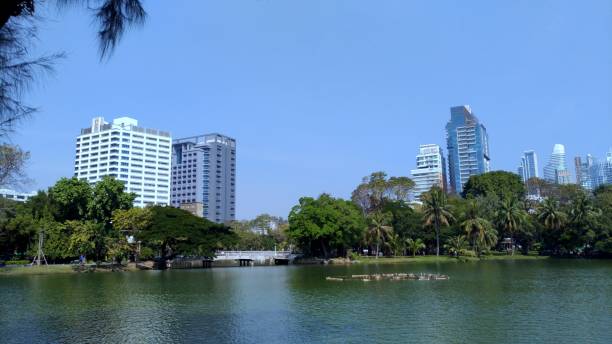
(307, 103)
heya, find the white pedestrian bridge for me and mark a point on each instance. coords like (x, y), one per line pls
(255, 256)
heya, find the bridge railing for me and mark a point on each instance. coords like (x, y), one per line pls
(249, 254)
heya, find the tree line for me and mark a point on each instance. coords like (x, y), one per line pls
(100, 223)
(493, 214)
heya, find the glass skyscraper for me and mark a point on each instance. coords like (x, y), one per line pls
(556, 170)
(468, 147)
(529, 165)
(591, 173)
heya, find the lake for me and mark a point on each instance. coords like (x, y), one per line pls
(543, 301)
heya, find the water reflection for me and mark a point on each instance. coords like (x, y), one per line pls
(506, 302)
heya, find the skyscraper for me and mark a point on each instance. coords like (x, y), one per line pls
(586, 172)
(556, 170)
(529, 165)
(591, 172)
(204, 176)
(430, 169)
(468, 147)
(138, 157)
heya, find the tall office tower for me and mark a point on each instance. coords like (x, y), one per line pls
(556, 170)
(586, 172)
(468, 147)
(430, 169)
(138, 157)
(608, 168)
(204, 176)
(521, 171)
(529, 165)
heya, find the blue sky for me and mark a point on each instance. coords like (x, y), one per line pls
(320, 93)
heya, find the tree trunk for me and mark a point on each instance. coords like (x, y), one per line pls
(377, 249)
(437, 238)
(323, 248)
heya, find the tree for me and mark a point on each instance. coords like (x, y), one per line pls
(396, 244)
(127, 223)
(456, 245)
(477, 229)
(324, 224)
(379, 230)
(108, 196)
(414, 245)
(511, 216)
(12, 164)
(550, 215)
(85, 237)
(18, 70)
(375, 189)
(399, 188)
(131, 221)
(175, 231)
(501, 183)
(436, 212)
(71, 198)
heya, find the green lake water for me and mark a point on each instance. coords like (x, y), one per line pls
(544, 301)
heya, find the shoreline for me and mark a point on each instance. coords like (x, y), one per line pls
(55, 269)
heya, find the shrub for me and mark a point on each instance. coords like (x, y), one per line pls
(146, 253)
(17, 262)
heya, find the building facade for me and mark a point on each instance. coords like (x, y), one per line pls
(529, 166)
(556, 170)
(16, 195)
(430, 169)
(468, 147)
(138, 157)
(592, 173)
(204, 171)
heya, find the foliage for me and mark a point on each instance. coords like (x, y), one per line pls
(375, 189)
(177, 232)
(456, 245)
(478, 230)
(510, 217)
(107, 196)
(71, 198)
(12, 164)
(264, 232)
(436, 212)
(379, 230)
(500, 183)
(415, 245)
(325, 224)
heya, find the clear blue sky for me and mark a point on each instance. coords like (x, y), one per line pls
(320, 93)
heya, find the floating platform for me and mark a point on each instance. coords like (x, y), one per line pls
(390, 277)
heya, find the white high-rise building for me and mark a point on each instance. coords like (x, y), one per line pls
(556, 170)
(138, 157)
(430, 169)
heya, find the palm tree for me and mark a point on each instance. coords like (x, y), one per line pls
(456, 244)
(477, 229)
(379, 229)
(511, 216)
(415, 245)
(550, 214)
(395, 244)
(436, 212)
(581, 211)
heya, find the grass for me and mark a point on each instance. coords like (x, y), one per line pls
(57, 269)
(36, 270)
(441, 259)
